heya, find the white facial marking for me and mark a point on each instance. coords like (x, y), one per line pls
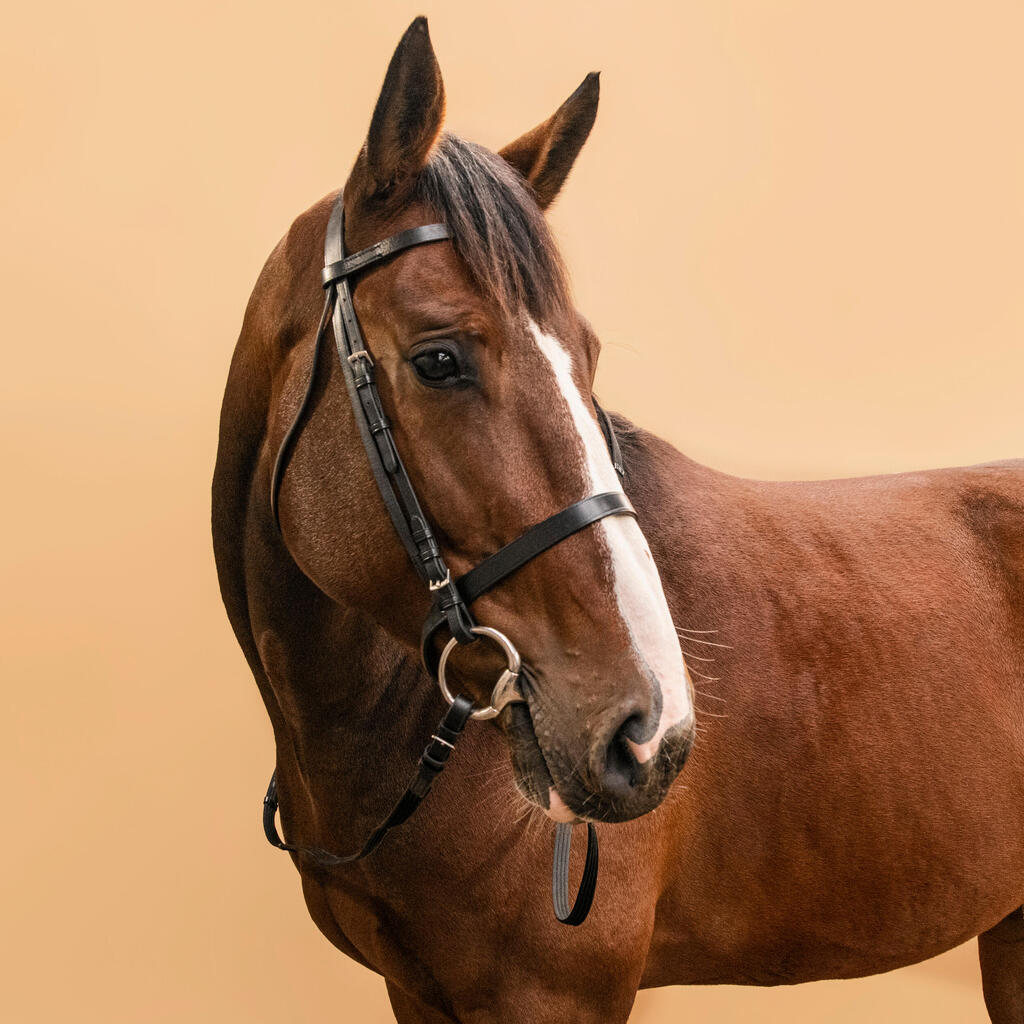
(638, 589)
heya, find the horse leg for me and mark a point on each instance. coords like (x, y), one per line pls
(1001, 952)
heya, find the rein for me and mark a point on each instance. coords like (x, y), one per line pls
(450, 598)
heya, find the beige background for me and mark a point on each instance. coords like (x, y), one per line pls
(830, 198)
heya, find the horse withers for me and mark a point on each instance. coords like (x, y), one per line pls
(859, 806)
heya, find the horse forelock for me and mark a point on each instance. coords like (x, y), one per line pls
(497, 229)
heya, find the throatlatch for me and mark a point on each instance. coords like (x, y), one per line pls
(450, 598)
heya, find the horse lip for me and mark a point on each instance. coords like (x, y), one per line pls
(533, 777)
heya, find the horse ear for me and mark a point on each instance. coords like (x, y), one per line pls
(545, 155)
(406, 121)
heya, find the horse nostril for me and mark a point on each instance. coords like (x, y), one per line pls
(620, 765)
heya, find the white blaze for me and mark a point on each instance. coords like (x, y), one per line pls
(638, 589)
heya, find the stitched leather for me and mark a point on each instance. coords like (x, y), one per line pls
(393, 481)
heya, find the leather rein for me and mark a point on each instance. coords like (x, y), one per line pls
(450, 598)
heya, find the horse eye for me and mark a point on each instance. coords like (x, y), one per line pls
(436, 366)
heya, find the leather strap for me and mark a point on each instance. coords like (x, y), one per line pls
(345, 266)
(560, 876)
(610, 439)
(432, 763)
(513, 556)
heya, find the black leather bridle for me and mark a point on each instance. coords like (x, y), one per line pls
(450, 598)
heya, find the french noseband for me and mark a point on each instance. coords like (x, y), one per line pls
(450, 598)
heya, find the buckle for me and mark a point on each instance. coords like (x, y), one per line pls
(436, 585)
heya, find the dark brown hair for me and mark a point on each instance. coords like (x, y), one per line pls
(497, 228)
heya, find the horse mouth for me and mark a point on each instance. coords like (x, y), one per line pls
(529, 766)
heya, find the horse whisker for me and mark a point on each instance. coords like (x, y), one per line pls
(695, 657)
(706, 678)
(710, 643)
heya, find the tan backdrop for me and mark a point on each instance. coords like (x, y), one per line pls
(831, 197)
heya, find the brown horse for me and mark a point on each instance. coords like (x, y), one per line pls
(856, 799)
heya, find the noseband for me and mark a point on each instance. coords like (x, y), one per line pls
(451, 599)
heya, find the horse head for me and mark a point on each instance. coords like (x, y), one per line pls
(485, 371)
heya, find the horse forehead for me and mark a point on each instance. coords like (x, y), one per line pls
(429, 288)
(428, 283)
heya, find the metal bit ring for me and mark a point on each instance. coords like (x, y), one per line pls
(504, 691)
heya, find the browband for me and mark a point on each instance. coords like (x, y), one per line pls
(349, 265)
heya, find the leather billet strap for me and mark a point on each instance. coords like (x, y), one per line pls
(432, 763)
(332, 273)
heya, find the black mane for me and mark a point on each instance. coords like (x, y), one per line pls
(497, 228)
